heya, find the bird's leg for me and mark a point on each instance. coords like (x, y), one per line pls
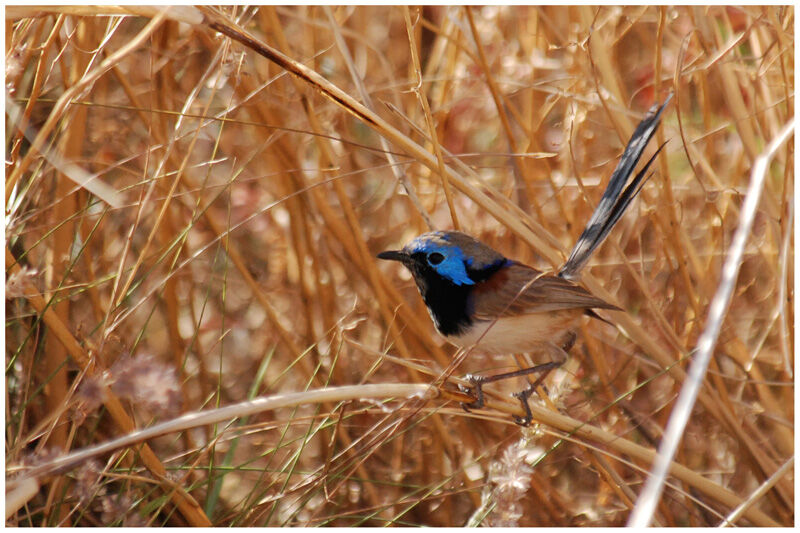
(477, 382)
(524, 395)
(475, 390)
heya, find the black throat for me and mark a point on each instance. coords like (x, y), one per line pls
(448, 304)
(451, 305)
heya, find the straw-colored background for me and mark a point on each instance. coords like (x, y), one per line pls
(226, 250)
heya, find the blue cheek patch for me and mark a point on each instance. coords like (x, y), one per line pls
(452, 267)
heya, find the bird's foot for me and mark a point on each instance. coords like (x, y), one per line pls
(523, 396)
(477, 382)
(475, 390)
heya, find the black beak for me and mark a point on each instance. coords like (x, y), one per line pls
(393, 255)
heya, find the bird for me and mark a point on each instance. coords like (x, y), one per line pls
(479, 298)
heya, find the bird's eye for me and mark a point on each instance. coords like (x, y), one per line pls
(435, 258)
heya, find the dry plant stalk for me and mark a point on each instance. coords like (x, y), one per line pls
(250, 162)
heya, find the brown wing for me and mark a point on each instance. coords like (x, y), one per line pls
(529, 291)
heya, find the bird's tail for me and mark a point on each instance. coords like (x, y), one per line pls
(617, 196)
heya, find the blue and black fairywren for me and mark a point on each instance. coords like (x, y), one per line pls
(478, 297)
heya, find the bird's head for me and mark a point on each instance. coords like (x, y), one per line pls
(445, 256)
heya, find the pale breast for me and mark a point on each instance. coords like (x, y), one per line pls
(519, 334)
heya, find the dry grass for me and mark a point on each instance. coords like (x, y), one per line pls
(223, 248)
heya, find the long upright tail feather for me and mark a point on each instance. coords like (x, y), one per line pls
(617, 196)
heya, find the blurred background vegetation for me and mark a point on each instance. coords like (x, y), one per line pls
(189, 226)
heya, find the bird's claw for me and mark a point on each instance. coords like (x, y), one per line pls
(475, 390)
(523, 396)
